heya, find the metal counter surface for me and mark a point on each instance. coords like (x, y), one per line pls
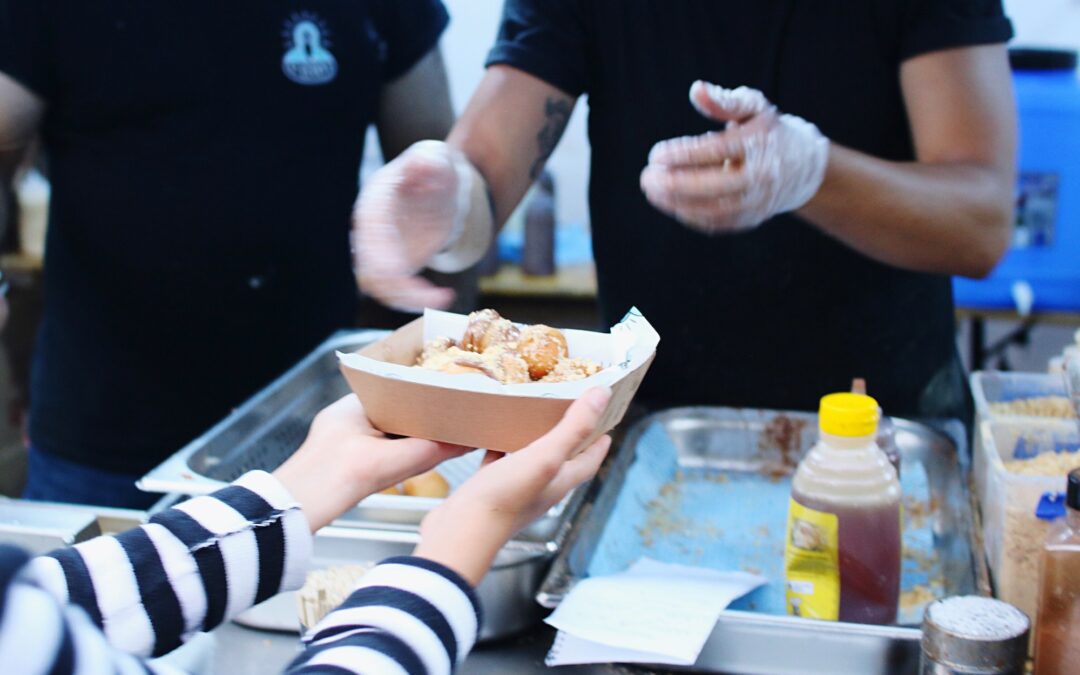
(244, 651)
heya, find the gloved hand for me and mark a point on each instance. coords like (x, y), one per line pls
(411, 214)
(760, 165)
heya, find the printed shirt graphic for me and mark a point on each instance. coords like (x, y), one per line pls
(307, 59)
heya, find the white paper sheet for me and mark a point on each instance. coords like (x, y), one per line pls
(653, 612)
(631, 342)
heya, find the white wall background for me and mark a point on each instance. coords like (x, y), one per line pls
(1045, 22)
(465, 45)
(474, 23)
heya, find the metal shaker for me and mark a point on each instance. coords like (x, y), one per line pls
(972, 635)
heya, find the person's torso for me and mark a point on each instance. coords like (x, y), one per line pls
(204, 159)
(783, 314)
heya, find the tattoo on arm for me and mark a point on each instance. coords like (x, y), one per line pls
(557, 112)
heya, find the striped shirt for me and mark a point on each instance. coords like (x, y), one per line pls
(108, 604)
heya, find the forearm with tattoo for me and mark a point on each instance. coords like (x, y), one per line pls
(556, 115)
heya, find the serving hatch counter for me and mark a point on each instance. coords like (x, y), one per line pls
(707, 441)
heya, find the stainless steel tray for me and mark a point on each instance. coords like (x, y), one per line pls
(40, 527)
(265, 430)
(506, 592)
(733, 441)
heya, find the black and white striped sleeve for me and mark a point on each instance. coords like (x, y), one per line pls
(408, 616)
(186, 570)
(38, 635)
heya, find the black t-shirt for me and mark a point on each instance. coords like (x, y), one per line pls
(204, 159)
(783, 314)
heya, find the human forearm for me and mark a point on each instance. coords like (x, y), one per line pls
(20, 114)
(508, 132)
(439, 204)
(42, 634)
(401, 121)
(946, 218)
(468, 551)
(190, 568)
(407, 612)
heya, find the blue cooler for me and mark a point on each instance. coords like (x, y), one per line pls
(1043, 261)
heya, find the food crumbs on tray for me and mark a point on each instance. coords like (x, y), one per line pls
(1037, 406)
(924, 562)
(664, 518)
(918, 596)
(1046, 464)
(784, 434)
(916, 512)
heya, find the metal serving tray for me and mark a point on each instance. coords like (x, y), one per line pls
(40, 527)
(742, 442)
(263, 432)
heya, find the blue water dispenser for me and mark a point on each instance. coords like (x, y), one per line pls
(1041, 270)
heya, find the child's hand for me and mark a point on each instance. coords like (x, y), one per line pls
(510, 491)
(345, 459)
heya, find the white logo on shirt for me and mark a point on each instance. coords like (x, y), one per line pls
(307, 57)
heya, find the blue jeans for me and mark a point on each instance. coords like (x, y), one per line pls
(52, 479)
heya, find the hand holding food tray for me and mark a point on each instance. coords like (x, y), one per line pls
(477, 410)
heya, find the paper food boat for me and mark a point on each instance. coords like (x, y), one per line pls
(476, 411)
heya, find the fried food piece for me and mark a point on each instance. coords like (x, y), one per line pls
(487, 329)
(495, 347)
(429, 484)
(507, 364)
(449, 359)
(392, 490)
(569, 370)
(433, 349)
(500, 363)
(542, 347)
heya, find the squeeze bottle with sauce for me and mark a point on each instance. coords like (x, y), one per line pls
(843, 547)
(1057, 632)
(886, 430)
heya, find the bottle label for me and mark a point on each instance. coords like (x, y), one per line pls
(812, 563)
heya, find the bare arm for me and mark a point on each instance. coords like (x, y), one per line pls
(950, 211)
(416, 106)
(509, 130)
(20, 116)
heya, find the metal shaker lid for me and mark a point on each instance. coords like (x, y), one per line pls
(971, 632)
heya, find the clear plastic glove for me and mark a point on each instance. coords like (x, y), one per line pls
(410, 215)
(762, 164)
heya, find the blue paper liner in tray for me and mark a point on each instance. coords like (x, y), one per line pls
(685, 499)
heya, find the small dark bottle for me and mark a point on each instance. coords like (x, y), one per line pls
(538, 258)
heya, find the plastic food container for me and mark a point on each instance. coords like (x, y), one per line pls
(990, 387)
(1013, 535)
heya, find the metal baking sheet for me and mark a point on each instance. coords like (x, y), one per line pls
(265, 430)
(506, 591)
(710, 487)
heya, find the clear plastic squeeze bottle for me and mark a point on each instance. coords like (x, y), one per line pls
(843, 547)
